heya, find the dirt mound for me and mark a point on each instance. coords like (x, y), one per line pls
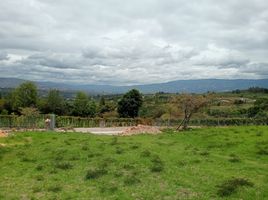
(3, 133)
(140, 129)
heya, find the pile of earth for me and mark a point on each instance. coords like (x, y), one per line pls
(3, 133)
(140, 129)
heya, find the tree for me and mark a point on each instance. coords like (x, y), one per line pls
(24, 96)
(190, 104)
(104, 107)
(55, 102)
(83, 106)
(130, 104)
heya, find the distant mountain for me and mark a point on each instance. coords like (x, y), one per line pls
(193, 86)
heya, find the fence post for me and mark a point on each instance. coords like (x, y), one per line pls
(52, 122)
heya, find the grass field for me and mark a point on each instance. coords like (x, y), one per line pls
(209, 163)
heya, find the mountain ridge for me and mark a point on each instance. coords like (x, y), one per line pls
(191, 86)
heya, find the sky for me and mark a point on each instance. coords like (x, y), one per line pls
(125, 42)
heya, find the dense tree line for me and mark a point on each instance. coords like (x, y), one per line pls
(24, 99)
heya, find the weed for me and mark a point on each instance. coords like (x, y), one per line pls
(26, 159)
(91, 155)
(108, 189)
(85, 148)
(67, 142)
(145, 153)
(54, 188)
(259, 133)
(135, 146)
(157, 164)
(119, 150)
(75, 157)
(182, 163)
(204, 153)
(39, 178)
(262, 151)
(20, 154)
(114, 141)
(36, 189)
(234, 158)
(95, 173)
(64, 165)
(131, 180)
(230, 186)
(39, 167)
(128, 166)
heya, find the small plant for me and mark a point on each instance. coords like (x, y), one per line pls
(85, 148)
(234, 158)
(64, 165)
(145, 153)
(182, 163)
(55, 188)
(128, 166)
(259, 133)
(36, 189)
(157, 164)
(39, 178)
(131, 180)
(108, 189)
(135, 146)
(204, 153)
(262, 151)
(114, 141)
(39, 167)
(26, 159)
(119, 150)
(230, 186)
(95, 173)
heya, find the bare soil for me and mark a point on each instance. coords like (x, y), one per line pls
(140, 129)
(3, 133)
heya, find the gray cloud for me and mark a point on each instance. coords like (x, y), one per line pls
(3, 56)
(122, 42)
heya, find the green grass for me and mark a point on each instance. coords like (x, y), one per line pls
(208, 163)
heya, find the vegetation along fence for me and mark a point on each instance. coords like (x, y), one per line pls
(14, 121)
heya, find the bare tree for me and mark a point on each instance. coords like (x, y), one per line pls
(190, 104)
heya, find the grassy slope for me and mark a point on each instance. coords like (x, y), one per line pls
(188, 165)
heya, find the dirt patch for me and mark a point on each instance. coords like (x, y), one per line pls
(140, 129)
(3, 133)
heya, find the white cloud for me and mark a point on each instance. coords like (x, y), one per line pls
(122, 42)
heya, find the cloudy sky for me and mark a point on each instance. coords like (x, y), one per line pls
(131, 42)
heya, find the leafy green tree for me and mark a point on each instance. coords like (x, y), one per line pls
(55, 103)
(104, 107)
(91, 109)
(83, 106)
(130, 104)
(24, 96)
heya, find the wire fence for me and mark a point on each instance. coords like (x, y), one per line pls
(38, 122)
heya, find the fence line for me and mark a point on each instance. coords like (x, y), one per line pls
(14, 121)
